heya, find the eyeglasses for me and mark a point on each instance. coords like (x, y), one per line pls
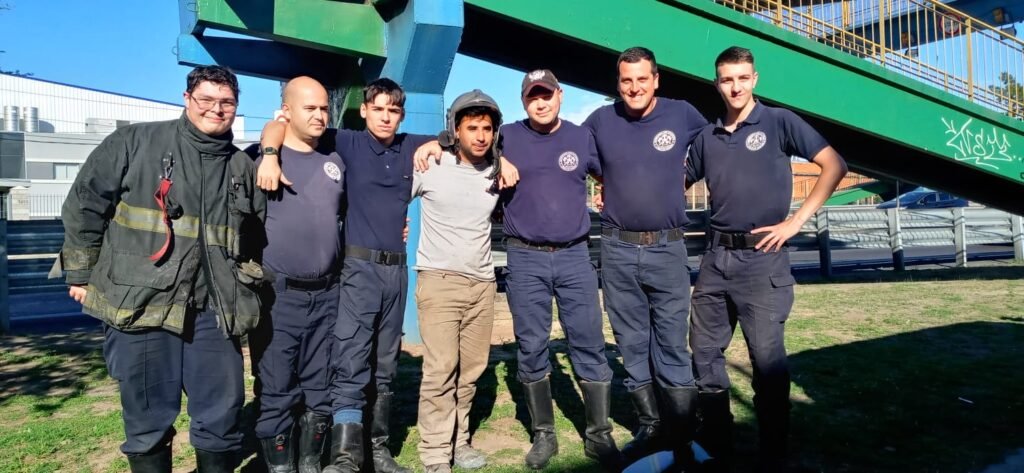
(206, 103)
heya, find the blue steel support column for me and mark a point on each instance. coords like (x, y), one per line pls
(5, 306)
(421, 46)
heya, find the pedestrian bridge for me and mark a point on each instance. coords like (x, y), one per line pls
(930, 98)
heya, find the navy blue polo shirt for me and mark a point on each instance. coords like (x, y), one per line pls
(549, 205)
(748, 172)
(378, 181)
(303, 237)
(643, 163)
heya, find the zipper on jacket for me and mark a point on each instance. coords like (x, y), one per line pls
(212, 290)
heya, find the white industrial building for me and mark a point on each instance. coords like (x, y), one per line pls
(47, 130)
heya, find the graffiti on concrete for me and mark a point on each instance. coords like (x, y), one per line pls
(988, 148)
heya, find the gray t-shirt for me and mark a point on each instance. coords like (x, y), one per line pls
(456, 208)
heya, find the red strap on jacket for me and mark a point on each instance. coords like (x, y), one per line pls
(160, 196)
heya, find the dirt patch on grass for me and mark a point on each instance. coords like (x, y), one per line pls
(500, 437)
(106, 452)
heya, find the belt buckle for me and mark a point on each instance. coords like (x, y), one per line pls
(388, 258)
(726, 240)
(648, 238)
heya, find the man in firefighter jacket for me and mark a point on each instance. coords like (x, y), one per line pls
(163, 239)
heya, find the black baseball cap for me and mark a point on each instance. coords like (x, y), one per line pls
(540, 78)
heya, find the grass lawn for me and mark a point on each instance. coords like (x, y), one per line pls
(912, 372)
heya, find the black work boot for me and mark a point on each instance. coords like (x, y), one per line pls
(598, 443)
(279, 453)
(680, 417)
(542, 423)
(647, 439)
(312, 435)
(773, 432)
(157, 461)
(215, 462)
(346, 448)
(379, 434)
(714, 431)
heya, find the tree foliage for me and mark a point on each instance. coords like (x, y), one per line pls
(1010, 93)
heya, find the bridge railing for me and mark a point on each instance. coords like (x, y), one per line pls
(923, 39)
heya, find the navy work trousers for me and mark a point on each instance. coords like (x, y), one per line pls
(152, 368)
(292, 353)
(647, 296)
(368, 331)
(755, 289)
(568, 275)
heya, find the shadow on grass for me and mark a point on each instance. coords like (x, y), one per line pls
(53, 368)
(944, 399)
(563, 388)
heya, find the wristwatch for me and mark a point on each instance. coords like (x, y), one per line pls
(269, 150)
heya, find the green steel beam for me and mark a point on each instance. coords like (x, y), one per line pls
(859, 192)
(796, 72)
(347, 28)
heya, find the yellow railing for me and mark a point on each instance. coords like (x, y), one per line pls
(923, 39)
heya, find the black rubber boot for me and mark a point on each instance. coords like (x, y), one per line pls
(312, 435)
(714, 431)
(383, 462)
(346, 448)
(647, 439)
(773, 432)
(542, 423)
(157, 461)
(279, 453)
(680, 417)
(215, 462)
(598, 443)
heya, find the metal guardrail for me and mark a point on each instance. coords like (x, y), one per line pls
(924, 39)
(896, 229)
(32, 245)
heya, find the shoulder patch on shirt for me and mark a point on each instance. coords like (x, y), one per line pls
(664, 140)
(568, 161)
(333, 171)
(756, 140)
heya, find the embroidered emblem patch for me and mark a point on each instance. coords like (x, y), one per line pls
(664, 140)
(568, 161)
(756, 141)
(333, 171)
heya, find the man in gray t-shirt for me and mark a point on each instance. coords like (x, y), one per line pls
(455, 284)
(455, 220)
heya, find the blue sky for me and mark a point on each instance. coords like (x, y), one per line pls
(127, 47)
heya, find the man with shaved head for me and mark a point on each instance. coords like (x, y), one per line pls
(292, 345)
(374, 276)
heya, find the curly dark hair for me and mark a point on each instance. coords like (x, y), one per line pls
(220, 75)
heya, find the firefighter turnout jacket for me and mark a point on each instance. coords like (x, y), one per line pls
(161, 221)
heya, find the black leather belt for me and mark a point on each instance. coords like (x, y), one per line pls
(737, 241)
(387, 258)
(513, 242)
(302, 284)
(644, 238)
